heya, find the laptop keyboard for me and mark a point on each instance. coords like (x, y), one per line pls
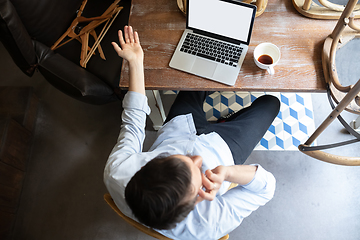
(211, 49)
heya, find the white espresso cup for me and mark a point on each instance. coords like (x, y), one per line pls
(266, 56)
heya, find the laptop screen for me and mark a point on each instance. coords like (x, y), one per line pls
(227, 18)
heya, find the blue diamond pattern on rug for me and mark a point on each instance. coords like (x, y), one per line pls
(293, 125)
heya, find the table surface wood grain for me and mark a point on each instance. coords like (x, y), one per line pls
(160, 25)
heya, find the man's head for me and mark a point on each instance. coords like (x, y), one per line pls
(165, 190)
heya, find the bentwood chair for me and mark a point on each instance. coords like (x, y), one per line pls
(326, 9)
(139, 226)
(346, 97)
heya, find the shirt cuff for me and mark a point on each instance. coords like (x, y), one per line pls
(262, 180)
(135, 100)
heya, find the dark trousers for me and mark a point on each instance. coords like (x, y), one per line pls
(241, 134)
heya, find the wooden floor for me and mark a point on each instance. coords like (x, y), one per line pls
(300, 39)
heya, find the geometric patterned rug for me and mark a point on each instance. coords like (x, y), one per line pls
(293, 125)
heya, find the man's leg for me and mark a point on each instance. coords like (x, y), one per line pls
(190, 102)
(244, 132)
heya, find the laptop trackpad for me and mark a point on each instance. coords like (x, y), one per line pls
(204, 67)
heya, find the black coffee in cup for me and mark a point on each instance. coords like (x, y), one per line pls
(265, 59)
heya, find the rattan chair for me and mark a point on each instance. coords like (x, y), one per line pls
(346, 97)
(324, 10)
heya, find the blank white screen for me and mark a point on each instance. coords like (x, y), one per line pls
(223, 18)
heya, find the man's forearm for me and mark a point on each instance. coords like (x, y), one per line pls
(130, 50)
(137, 83)
(240, 174)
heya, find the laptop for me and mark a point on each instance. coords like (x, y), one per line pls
(216, 39)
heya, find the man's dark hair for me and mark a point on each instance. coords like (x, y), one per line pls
(157, 194)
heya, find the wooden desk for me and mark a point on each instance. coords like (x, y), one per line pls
(160, 25)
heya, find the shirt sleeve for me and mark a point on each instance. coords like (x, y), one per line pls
(239, 202)
(214, 219)
(132, 133)
(126, 158)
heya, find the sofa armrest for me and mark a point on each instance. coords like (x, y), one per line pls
(71, 78)
(16, 39)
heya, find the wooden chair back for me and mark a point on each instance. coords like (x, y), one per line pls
(347, 97)
(326, 9)
(139, 226)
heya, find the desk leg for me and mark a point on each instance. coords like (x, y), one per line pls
(157, 114)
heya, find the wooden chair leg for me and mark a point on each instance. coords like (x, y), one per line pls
(327, 157)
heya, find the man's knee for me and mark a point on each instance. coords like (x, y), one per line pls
(270, 102)
(274, 101)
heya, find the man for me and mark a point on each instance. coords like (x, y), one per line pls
(179, 187)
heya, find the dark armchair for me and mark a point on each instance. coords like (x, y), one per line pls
(29, 28)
